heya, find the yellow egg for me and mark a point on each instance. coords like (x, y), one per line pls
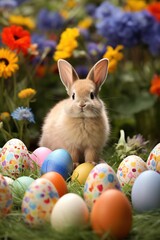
(81, 172)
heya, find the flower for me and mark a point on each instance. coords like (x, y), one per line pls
(134, 5)
(67, 44)
(23, 113)
(22, 21)
(8, 63)
(85, 23)
(48, 20)
(16, 38)
(154, 9)
(8, 4)
(4, 116)
(114, 55)
(27, 93)
(155, 85)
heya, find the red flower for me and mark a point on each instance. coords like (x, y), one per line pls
(155, 85)
(154, 9)
(16, 38)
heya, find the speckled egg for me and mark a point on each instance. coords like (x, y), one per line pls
(38, 202)
(5, 197)
(14, 157)
(101, 178)
(129, 169)
(153, 161)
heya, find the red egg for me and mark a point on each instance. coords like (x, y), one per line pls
(58, 181)
(112, 213)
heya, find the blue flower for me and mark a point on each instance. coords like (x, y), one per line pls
(23, 113)
(8, 3)
(90, 9)
(43, 43)
(48, 20)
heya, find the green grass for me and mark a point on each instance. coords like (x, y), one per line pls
(145, 226)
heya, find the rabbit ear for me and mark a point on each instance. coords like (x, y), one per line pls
(67, 73)
(98, 72)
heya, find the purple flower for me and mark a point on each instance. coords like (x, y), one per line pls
(23, 113)
(43, 43)
(90, 9)
(8, 4)
(82, 71)
(48, 20)
(95, 50)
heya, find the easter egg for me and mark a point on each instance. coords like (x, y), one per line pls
(129, 169)
(101, 178)
(38, 201)
(14, 157)
(5, 197)
(39, 154)
(8, 180)
(153, 161)
(58, 161)
(112, 214)
(145, 193)
(69, 211)
(58, 181)
(81, 172)
(19, 187)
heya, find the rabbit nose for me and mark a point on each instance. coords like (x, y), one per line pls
(82, 105)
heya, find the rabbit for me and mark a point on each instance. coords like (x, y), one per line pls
(79, 124)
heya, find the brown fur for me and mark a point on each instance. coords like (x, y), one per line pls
(79, 125)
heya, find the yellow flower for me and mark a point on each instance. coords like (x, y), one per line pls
(71, 3)
(8, 63)
(134, 5)
(22, 21)
(114, 55)
(27, 93)
(4, 116)
(85, 23)
(67, 44)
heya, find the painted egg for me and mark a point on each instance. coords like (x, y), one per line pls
(145, 193)
(39, 155)
(153, 161)
(81, 172)
(70, 211)
(129, 169)
(5, 197)
(38, 201)
(14, 157)
(101, 178)
(9, 180)
(19, 187)
(112, 215)
(58, 161)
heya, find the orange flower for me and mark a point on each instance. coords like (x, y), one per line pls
(155, 85)
(16, 38)
(154, 9)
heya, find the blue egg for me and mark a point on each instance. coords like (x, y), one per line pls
(58, 161)
(145, 194)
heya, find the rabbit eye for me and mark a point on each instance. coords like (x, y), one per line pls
(73, 96)
(92, 95)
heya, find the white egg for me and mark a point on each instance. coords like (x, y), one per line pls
(69, 211)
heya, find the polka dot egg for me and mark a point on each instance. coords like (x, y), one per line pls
(5, 197)
(38, 202)
(101, 178)
(14, 157)
(153, 161)
(129, 169)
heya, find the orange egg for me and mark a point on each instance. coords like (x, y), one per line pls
(58, 181)
(112, 213)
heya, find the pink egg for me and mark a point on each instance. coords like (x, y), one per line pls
(39, 155)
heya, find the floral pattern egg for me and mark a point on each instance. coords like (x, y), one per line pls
(129, 169)
(14, 158)
(153, 161)
(101, 178)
